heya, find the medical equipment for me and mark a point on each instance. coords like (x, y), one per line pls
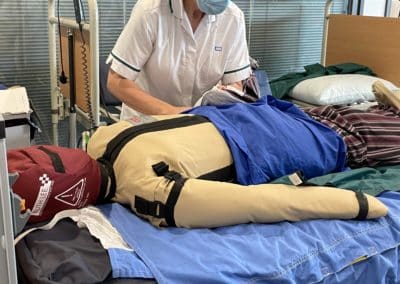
(87, 110)
(72, 94)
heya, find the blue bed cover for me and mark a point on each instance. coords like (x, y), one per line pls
(252, 130)
(315, 251)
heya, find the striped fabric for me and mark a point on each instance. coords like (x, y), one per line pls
(372, 137)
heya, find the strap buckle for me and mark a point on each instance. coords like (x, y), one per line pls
(151, 208)
(160, 168)
(158, 209)
(297, 178)
(172, 175)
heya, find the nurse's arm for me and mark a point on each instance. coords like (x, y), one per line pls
(135, 97)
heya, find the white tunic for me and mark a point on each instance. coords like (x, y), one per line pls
(159, 51)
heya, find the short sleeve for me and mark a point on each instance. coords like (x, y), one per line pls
(135, 43)
(238, 63)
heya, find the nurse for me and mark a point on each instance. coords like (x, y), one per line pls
(172, 51)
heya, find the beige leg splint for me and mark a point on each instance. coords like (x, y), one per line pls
(386, 96)
(156, 174)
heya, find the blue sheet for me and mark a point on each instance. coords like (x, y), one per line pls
(263, 83)
(302, 252)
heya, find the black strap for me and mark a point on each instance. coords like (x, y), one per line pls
(364, 207)
(2, 129)
(151, 208)
(224, 174)
(227, 173)
(298, 179)
(23, 121)
(173, 196)
(17, 122)
(55, 159)
(162, 169)
(104, 184)
(115, 146)
(107, 171)
(156, 208)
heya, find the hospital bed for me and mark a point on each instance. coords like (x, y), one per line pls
(297, 247)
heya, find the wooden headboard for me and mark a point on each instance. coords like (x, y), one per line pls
(370, 41)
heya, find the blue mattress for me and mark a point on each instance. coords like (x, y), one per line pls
(316, 251)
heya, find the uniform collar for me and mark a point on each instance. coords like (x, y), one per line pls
(176, 8)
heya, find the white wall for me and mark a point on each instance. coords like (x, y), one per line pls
(374, 8)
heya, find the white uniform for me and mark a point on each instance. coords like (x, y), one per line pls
(159, 51)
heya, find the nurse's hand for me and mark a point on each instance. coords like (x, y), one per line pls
(237, 85)
(178, 110)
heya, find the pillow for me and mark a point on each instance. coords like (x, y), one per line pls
(337, 89)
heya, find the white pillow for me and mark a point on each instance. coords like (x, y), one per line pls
(337, 89)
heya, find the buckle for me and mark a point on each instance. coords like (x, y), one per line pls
(157, 209)
(172, 175)
(297, 178)
(160, 168)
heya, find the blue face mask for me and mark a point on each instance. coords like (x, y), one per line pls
(212, 7)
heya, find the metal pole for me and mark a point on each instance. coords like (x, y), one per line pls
(54, 92)
(8, 265)
(360, 7)
(388, 6)
(94, 61)
(328, 7)
(72, 93)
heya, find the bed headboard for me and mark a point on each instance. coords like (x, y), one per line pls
(370, 41)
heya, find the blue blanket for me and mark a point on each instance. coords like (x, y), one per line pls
(301, 252)
(272, 138)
